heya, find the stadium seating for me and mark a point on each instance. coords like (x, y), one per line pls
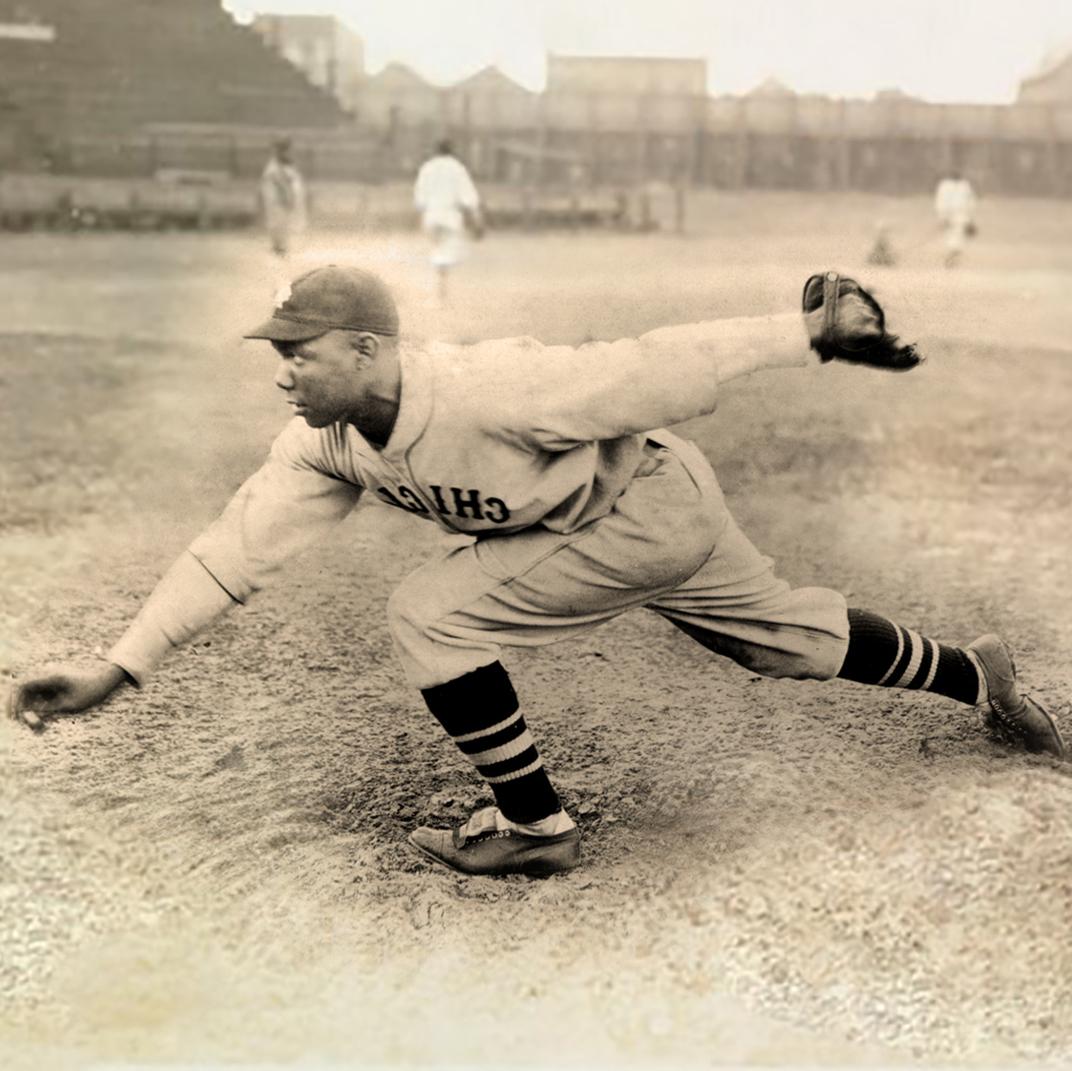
(70, 69)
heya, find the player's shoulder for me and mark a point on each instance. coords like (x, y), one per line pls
(470, 348)
(521, 342)
(484, 365)
(301, 446)
(501, 350)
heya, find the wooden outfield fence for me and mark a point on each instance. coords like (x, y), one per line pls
(586, 159)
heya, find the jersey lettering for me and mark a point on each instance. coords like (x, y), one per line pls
(469, 501)
(437, 494)
(501, 512)
(466, 503)
(417, 506)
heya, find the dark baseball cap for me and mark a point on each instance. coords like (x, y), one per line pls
(328, 298)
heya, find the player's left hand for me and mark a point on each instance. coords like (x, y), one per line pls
(846, 323)
(13, 709)
(64, 691)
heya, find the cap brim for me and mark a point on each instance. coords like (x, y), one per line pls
(276, 330)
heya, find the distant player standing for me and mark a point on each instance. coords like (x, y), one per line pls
(580, 507)
(954, 204)
(283, 198)
(447, 199)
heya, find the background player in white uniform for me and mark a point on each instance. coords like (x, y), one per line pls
(448, 201)
(954, 204)
(580, 507)
(283, 199)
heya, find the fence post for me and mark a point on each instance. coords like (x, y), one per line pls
(541, 169)
(645, 209)
(679, 206)
(843, 149)
(694, 130)
(638, 152)
(1053, 167)
(741, 148)
(595, 169)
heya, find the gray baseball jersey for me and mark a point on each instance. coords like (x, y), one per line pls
(511, 438)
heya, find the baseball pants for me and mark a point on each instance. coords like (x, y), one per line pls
(448, 244)
(669, 544)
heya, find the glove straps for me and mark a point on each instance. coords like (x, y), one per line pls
(830, 303)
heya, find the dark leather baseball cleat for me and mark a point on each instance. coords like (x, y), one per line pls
(1016, 719)
(471, 849)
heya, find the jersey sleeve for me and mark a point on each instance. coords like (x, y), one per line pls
(603, 390)
(282, 509)
(186, 600)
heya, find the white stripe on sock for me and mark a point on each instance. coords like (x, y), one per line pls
(897, 656)
(463, 737)
(915, 656)
(503, 751)
(531, 768)
(934, 666)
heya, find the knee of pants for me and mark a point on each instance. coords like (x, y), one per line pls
(816, 649)
(430, 652)
(802, 634)
(408, 614)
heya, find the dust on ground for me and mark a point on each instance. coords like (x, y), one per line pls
(215, 868)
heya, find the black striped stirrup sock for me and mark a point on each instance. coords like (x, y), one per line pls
(890, 656)
(480, 713)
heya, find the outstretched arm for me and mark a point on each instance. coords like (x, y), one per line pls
(185, 601)
(603, 390)
(278, 512)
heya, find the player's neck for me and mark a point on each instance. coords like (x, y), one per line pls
(374, 415)
(376, 425)
(378, 412)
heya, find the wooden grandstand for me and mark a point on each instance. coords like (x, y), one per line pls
(150, 112)
(83, 85)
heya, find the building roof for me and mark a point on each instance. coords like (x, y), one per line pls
(1054, 59)
(398, 74)
(491, 78)
(771, 87)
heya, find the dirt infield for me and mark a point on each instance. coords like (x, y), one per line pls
(215, 869)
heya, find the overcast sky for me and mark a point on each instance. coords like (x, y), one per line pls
(941, 50)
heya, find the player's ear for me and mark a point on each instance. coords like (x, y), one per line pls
(365, 343)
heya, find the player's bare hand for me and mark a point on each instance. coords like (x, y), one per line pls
(65, 690)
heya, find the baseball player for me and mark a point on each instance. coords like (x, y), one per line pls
(954, 204)
(580, 507)
(447, 199)
(282, 198)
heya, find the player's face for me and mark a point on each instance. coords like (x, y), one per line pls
(321, 378)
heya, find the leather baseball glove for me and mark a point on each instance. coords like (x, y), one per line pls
(846, 323)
